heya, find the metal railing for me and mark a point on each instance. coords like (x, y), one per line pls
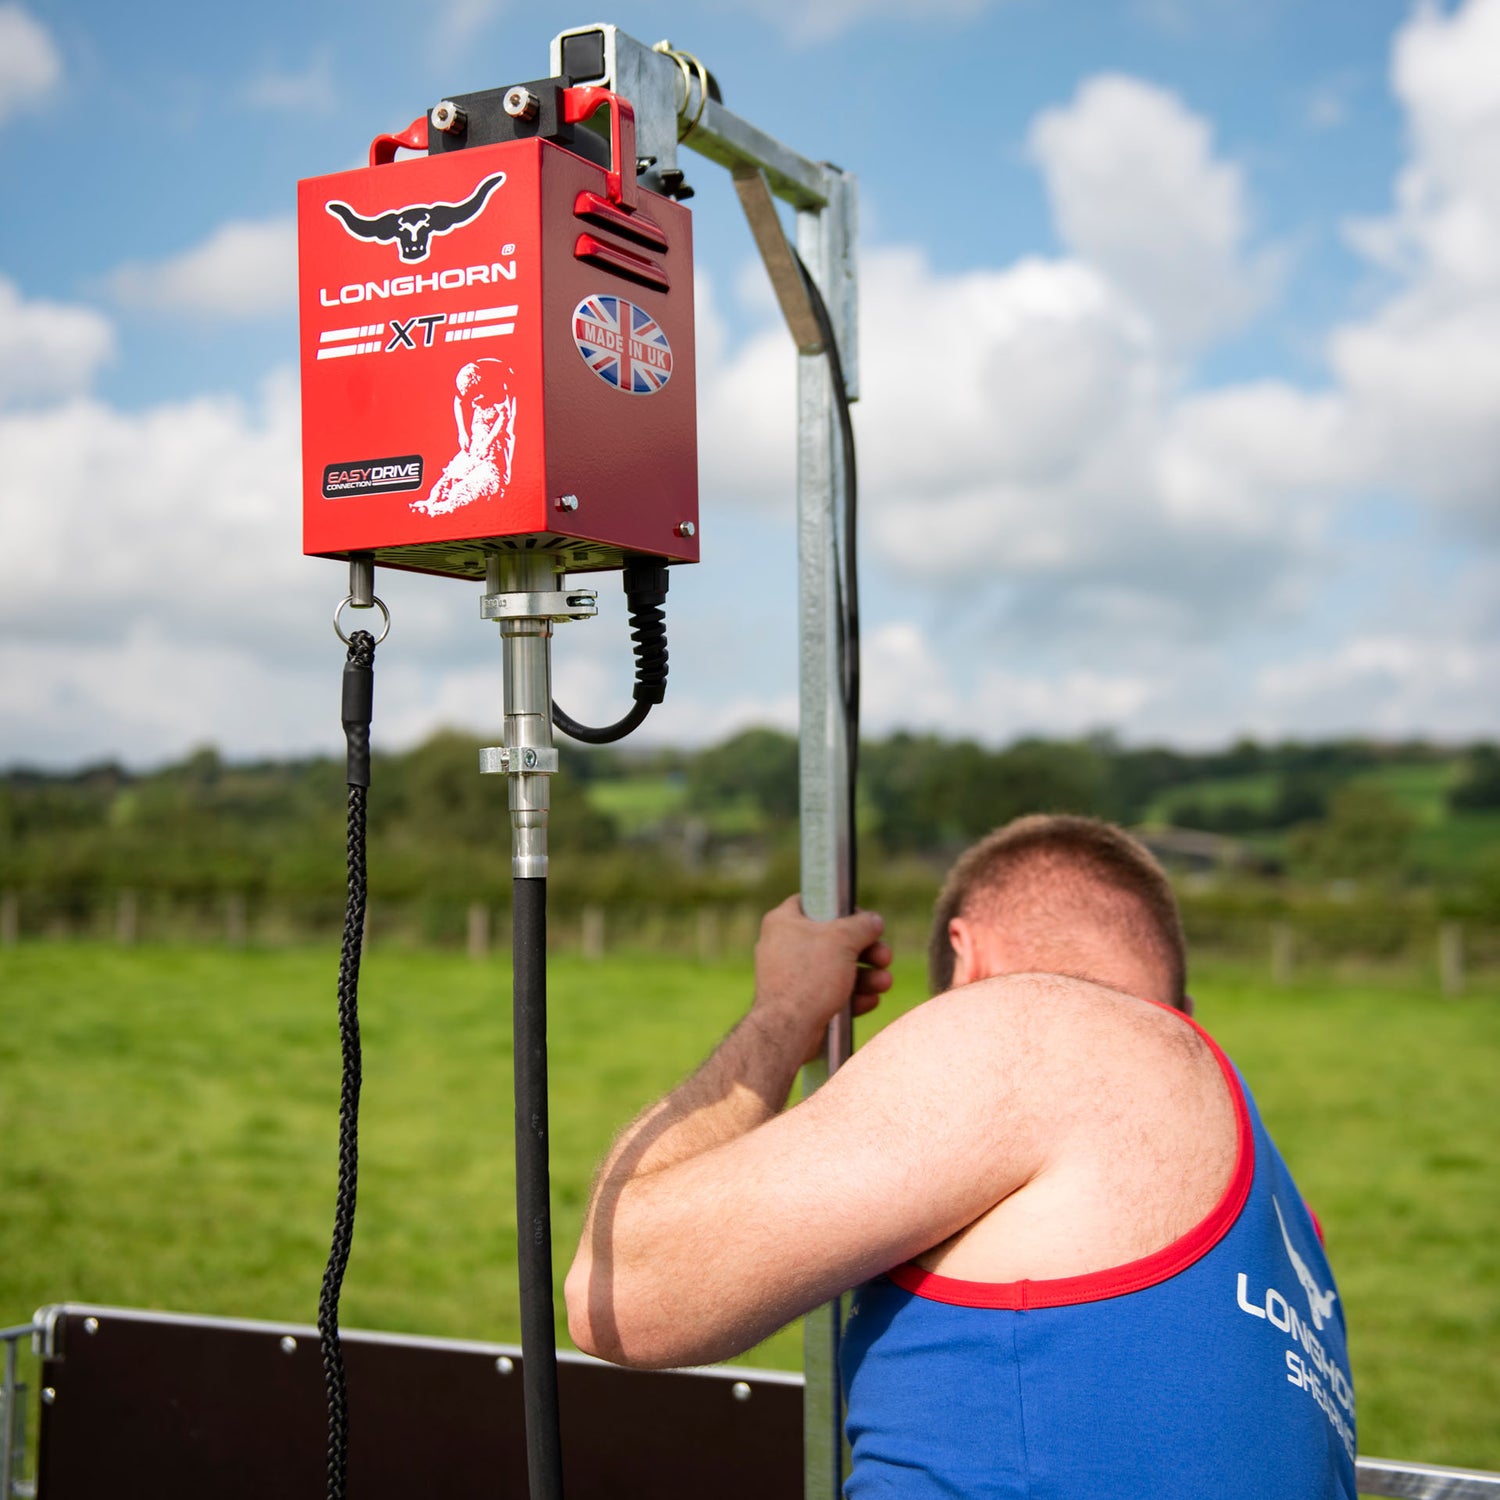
(13, 1419)
(1375, 1476)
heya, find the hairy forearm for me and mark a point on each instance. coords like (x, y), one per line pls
(671, 1268)
(742, 1085)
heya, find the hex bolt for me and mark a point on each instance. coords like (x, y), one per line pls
(505, 1365)
(49, 1395)
(567, 502)
(685, 528)
(449, 118)
(741, 1391)
(288, 1344)
(521, 104)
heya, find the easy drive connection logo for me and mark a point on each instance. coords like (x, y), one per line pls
(372, 476)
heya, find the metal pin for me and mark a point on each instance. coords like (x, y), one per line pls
(288, 1344)
(49, 1395)
(521, 104)
(91, 1325)
(505, 1365)
(741, 1391)
(362, 581)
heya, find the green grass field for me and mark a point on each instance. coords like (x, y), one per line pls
(167, 1140)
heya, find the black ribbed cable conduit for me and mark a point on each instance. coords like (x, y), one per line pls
(358, 697)
(645, 582)
(533, 1189)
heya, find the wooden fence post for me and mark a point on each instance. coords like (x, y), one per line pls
(1282, 953)
(478, 942)
(1451, 958)
(127, 918)
(593, 933)
(708, 934)
(236, 919)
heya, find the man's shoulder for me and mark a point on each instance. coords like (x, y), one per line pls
(1045, 1013)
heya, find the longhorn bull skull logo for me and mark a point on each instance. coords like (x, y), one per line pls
(413, 227)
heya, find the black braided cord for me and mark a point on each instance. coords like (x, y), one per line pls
(357, 680)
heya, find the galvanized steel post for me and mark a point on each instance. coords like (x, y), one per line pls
(825, 240)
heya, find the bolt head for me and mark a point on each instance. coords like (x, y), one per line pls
(448, 117)
(567, 502)
(741, 1391)
(91, 1325)
(521, 104)
(505, 1365)
(685, 528)
(528, 758)
(288, 1344)
(49, 1395)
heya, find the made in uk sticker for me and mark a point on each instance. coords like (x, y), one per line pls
(622, 344)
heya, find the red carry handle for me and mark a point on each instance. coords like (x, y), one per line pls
(383, 148)
(578, 105)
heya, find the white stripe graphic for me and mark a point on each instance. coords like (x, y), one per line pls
(334, 335)
(343, 349)
(489, 331)
(483, 314)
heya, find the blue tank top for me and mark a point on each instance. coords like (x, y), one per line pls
(1213, 1369)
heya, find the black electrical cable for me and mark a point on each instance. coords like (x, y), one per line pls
(847, 580)
(645, 582)
(533, 1189)
(359, 676)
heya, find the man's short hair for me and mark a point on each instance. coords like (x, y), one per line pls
(1052, 843)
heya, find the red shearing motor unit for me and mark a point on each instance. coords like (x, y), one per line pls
(497, 343)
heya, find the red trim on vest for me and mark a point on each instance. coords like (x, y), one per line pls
(1317, 1223)
(1117, 1281)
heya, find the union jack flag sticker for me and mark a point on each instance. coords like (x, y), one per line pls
(622, 344)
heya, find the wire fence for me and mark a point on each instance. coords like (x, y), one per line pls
(1455, 955)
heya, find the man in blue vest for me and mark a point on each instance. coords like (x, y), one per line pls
(1081, 1267)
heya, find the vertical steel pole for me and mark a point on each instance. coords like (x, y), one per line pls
(825, 240)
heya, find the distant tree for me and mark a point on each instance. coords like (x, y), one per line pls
(1478, 784)
(1365, 836)
(1301, 797)
(758, 764)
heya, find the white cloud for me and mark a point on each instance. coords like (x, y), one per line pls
(244, 269)
(48, 349)
(1137, 191)
(1422, 372)
(1394, 684)
(29, 60)
(310, 91)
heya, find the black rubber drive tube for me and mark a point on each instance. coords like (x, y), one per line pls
(533, 1191)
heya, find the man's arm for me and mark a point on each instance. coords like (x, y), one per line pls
(716, 1218)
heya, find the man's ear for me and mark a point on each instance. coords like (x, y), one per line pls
(965, 952)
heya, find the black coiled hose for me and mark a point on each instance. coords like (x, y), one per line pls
(646, 595)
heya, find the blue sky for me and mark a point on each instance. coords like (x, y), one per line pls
(1180, 359)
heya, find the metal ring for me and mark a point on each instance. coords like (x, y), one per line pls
(687, 64)
(349, 599)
